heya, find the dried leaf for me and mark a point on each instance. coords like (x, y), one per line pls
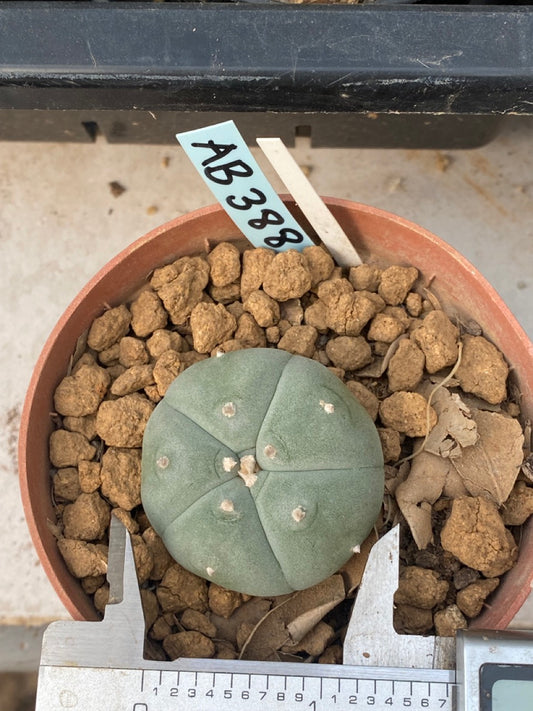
(303, 624)
(419, 491)
(454, 487)
(250, 612)
(477, 403)
(272, 632)
(314, 642)
(490, 467)
(455, 427)
(433, 300)
(468, 452)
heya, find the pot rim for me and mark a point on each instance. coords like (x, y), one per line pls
(81, 612)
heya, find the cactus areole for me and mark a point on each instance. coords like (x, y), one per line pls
(261, 471)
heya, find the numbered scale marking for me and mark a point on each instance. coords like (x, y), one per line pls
(189, 690)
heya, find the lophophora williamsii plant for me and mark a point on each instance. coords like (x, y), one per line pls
(261, 471)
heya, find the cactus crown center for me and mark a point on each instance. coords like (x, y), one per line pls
(248, 469)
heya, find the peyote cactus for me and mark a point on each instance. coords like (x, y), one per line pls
(261, 471)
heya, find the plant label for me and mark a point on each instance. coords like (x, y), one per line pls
(221, 156)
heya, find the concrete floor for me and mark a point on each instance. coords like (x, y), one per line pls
(59, 223)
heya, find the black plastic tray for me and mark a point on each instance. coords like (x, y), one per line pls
(417, 75)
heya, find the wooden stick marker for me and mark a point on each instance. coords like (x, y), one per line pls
(309, 202)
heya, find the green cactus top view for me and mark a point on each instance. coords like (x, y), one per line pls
(261, 471)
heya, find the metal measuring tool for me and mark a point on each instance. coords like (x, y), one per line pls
(99, 666)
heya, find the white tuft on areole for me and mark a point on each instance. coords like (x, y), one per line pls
(356, 549)
(228, 410)
(328, 407)
(163, 462)
(210, 571)
(228, 463)
(227, 506)
(270, 451)
(298, 514)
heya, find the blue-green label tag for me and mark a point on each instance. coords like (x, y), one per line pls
(221, 156)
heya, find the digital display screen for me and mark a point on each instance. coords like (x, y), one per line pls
(512, 695)
(506, 687)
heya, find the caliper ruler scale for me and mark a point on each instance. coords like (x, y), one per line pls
(97, 666)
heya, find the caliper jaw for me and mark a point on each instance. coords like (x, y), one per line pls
(120, 635)
(371, 639)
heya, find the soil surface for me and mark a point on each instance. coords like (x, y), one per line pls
(447, 418)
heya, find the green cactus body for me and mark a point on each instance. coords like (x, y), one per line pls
(261, 471)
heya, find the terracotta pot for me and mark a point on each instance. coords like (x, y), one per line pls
(378, 235)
